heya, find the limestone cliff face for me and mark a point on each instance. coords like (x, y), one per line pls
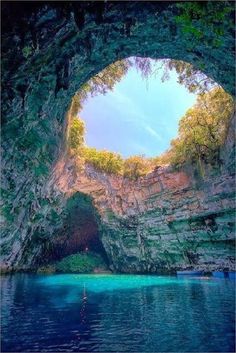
(165, 221)
(49, 50)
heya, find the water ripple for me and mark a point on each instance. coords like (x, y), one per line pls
(122, 313)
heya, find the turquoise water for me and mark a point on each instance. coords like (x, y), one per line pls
(116, 313)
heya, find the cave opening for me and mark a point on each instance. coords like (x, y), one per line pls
(78, 233)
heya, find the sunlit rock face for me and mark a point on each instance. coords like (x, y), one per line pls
(165, 221)
(48, 52)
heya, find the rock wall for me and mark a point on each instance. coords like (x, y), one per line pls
(49, 49)
(165, 221)
(78, 231)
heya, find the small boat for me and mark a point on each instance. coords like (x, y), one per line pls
(189, 273)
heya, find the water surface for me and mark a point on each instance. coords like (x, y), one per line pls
(116, 313)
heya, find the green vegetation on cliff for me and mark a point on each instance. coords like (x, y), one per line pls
(202, 130)
(76, 134)
(76, 263)
(81, 262)
(106, 161)
(136, 166)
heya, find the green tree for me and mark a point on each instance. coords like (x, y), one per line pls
(205, 20)
(193, 79)
(162, 160)
(106, 79)
(203, 129)
(136, 166)
(109, 162)
(80, 263)
(76, 136)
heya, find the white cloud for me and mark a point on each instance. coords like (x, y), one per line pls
(135, 115)
(130, 106)
(152, 132)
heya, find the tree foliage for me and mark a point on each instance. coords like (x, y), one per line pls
(76, 137)
(161, 160)
(80, 263)
(136, 166)
(194, 80)
(106, 79)
(203, 129)
(202, 23)
(205, 20)
(112, 163)
(109, 162)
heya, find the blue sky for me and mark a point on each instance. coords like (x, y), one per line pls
(138, 117)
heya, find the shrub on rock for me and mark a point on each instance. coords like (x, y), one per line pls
(80, 263)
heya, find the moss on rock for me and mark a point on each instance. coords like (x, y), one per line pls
(80, 263)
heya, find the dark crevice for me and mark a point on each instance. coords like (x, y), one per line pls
(79, 231)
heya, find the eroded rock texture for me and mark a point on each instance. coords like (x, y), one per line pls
(164, 221)
(48, 51)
